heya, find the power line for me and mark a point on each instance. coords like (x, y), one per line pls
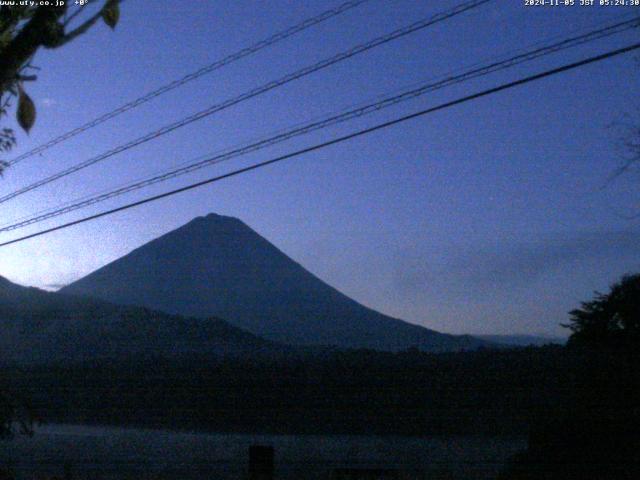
(394, 35)
(389, 101)
(359, 133)
(245, 52)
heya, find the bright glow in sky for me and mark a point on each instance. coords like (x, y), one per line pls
(490, 217)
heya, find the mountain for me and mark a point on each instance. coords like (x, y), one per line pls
(41, 327)
(218, 266)
(523, 340)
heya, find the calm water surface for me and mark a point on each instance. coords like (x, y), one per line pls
(127, 453)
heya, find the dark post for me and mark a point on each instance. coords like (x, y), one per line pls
(68, 475)
(261, 462)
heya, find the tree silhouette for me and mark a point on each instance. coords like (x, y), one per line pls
(595, 432)
(610, 320)
(14, 417)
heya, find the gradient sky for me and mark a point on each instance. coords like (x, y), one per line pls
(490, 217)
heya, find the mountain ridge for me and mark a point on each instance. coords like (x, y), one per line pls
(218, 266)
(523, 340)
(38, 327)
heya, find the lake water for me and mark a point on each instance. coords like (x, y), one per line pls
(127, 453)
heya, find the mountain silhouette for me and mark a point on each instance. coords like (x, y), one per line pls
(218, 266)
(39, 327)
(523, 340)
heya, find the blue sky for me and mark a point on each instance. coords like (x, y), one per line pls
(490, 217)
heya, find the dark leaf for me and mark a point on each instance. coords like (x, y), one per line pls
(111, 14)
(26, 111)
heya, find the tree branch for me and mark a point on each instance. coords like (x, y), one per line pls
(72, 16)
(86, 25)
(41, 29)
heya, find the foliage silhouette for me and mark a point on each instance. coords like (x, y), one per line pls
(24, 28)
(610, 320)
(490, 392)
(595, 434)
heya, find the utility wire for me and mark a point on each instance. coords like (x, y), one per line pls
(245, 52)
(359, 133)
(538, 47)
(413, 93)
(401, 32)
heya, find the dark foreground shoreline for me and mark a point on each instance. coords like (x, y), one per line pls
(487, 392)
